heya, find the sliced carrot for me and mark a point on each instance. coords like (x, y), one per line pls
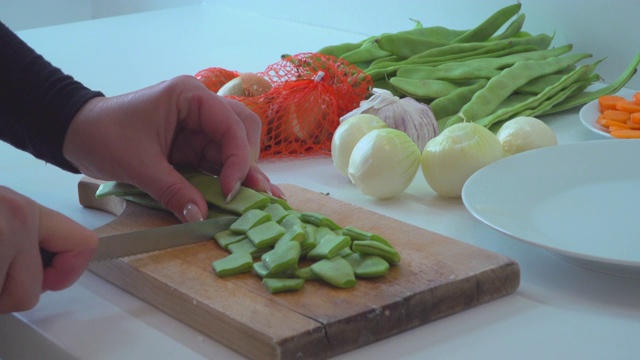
(608, 102)
(634, 118)
(632, 125)
(612, 123)
(628, 106)
(626, 134)
(636, 98)
(616, 115)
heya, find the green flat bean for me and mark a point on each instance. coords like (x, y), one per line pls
(423, 88)
(335, 271)
(245, 200)
(513, 29)
(233, 264)
(452, 103)
(369, 247)
(588, 96)
(227, 237)
(426, 72)
(359, 234)
(275, 285)
(246, 246)
(306, 273)
(493, 23)
(266, 234)
(367, 266)
(282, 258)
(406, 46)
(318, 219)
(276, 211)
(294, 233)
(248, 220)
(329, 247)
(485, 101)
(580, 73)
(501, 62)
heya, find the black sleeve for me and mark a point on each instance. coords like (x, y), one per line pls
(37, 101)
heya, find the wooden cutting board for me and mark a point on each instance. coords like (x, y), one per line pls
(438, 276)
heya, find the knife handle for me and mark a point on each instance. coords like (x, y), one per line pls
(47, 258)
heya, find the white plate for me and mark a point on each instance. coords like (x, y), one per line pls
(579, 201)
(589, 115)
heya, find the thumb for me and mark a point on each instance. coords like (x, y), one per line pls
(175, 193)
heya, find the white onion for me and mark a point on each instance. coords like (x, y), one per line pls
(384, 163)
(450, 158)
(525, 133)
(347, 135)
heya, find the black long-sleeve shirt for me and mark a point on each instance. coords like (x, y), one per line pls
(37, 101)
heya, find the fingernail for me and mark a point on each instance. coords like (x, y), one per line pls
(233, 192)
(191, 213)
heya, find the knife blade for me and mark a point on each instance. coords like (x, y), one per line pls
(153, 239)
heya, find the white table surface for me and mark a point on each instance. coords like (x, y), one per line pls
(560, 311)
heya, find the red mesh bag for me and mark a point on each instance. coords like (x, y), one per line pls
(310, 93)
(215, 77)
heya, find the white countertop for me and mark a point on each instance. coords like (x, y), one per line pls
(560, 311)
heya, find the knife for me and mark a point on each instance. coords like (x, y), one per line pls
(153, 239)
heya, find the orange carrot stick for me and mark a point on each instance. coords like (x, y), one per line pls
(628, 106)
(636, 98)
(626, 134)
(608, 102)
(634, 118)
(616, 115)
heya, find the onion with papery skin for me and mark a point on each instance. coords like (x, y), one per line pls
(408, 115)
(452, 157)
(246, 85)
(384, 163)
(525, 133)
(347, 135)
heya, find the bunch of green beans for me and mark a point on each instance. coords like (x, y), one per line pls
(480, 75)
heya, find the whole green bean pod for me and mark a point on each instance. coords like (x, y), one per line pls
(424, 72)
(493, 23)
(579, 74)
(423, 88)
(451, 103)
(500, 87)
(513, 29)
(588, 96)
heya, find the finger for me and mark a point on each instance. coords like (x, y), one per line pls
(212, 114)
(73, 245)
(252, 124)
(259, 181)
(173, 191)
(22, 284)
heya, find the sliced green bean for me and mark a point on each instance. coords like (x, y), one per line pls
(276, 211)
(246, 246)
(329, 247)
(248, 220)
(335, 271)
(227, 237)
(275, 285)
(295, 233)
(318, 219)
(233, 264)
(358, 234)
(282, 258)
(367, 266)
(370, 247)
(266, 234)
(306, 273)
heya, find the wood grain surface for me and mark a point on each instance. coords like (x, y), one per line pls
(438, 276)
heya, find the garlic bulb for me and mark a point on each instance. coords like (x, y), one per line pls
(406, 114)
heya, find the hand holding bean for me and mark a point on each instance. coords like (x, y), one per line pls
(139, 137)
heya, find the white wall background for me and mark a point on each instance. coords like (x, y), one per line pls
(605, 28)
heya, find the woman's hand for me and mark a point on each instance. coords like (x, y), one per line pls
(25, 228)
(138, 137)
